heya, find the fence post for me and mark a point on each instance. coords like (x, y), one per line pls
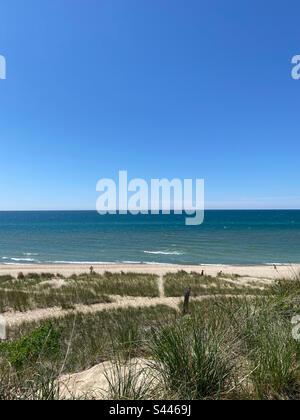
(186, 301)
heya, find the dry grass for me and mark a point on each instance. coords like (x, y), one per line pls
(41, 291)
(177, 283)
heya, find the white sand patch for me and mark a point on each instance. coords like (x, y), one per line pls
(94, 383)
(161, 289)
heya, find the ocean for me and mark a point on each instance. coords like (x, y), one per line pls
(225, 237)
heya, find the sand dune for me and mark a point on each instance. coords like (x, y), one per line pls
(249, 276)
(95, 383)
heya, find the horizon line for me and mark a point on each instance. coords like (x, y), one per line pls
(149, 210)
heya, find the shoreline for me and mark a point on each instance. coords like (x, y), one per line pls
(263, 271)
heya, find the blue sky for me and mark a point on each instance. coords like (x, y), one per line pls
(161, 88)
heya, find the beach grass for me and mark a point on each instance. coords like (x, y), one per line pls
(46, 290)
(96, 337)
(84, 340)
(268, 355)
(177, 283)
(192, 358)
(229, 346)
(123, 284)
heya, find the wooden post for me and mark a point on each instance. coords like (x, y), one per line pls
(186, 301)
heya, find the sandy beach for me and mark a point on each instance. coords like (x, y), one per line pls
(255, 271)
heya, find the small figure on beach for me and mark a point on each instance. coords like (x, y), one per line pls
(202, 273)
(92, 270)
(275, 266)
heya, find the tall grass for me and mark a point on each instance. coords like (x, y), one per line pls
(177, 283)
(96, 337)
(286, 287)
(226, 348)
(192, 359)
(41, 291)
(37, 384)
(267, 354)
(129, 381)
(273, 354)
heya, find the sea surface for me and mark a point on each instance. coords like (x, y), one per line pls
(225, 237)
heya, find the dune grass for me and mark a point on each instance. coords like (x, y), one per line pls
(192, 358)
(95, 337)
(48, 290)
(123, 284)
(66, 299)
(177, 283)
(84, 340)
(268, 354)
(226, 348)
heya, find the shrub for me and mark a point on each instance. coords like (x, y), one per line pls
(286, 287)
(33, 276)
(6, 278)
(44, 340)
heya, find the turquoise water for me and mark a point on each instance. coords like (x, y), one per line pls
(225, 237)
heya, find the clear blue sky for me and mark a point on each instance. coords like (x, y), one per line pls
(162, 88)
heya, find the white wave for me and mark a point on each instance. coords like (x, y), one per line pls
(29, 254)
(279, 264)
(19, 259)
(157, 263)
(107, 262)
(12, 263)
(19, 263)
(81, 262)
(215, 265)
(131, 262)
(164, 252)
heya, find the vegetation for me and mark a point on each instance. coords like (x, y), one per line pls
(46, 290)
(177, 283)
(229, 346)
(192, 358)
(44, 340)
(95, 337)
